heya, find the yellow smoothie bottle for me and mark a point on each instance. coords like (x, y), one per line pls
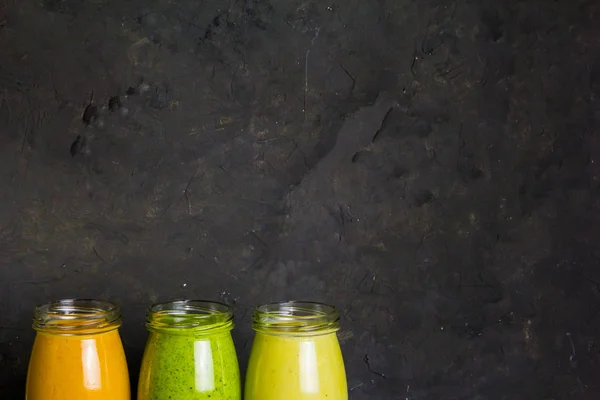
(296, 354)
(77, 353)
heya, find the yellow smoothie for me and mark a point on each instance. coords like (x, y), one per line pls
(286, 363)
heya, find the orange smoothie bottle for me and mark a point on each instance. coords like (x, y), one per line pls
(296, 354)
(77, 353)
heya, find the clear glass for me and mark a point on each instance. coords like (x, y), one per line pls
(190, 353)
(77, 353)
(296, 354)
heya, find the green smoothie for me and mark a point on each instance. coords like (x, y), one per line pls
(187, 364)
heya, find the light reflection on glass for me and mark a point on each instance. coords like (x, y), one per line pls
(91, 365)
(309, 370)
(203, 362)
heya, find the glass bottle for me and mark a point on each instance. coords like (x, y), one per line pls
(77, 353)
(296, 354)
(190, 353)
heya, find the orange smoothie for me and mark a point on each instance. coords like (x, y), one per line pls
(77, 355)
(78, 367)
(296, 368)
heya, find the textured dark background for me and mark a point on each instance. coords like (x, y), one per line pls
(431, 167)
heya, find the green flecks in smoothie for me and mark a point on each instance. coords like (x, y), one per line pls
(181, 367)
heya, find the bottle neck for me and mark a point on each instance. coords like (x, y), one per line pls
(190, 317)
(295, 318)
(77, 317)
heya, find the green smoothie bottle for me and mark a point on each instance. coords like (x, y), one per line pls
(190, 353)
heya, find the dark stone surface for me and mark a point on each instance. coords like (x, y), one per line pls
(430, 167)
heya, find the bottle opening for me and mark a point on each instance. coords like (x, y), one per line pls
(296, 318)
(190, 315)
(77, 316)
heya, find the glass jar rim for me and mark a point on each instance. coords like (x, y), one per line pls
(296, 318)
(77, 316)
(197, 316)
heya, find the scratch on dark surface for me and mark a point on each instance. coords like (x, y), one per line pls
(13, 328)
(78, 146)
(426, 235)
(61, 104)
(233, 276)
(98, 255)
(256, 237)
(374, 282)
(423, 340)
(297, 148)
(343, 223)
(573, 356)
(349, 308)
(368, 362)
(209, 259)
(259, 202)
(339, 216)
(25, 135)
(239, 52)
(425, 38)
(109, 233)
(415, 58)
(362, 280)
(451, 363)
(461, 142)
(430, 50)
(90, 113)
(231, 90)
(44, 281)
(384, 124)
(452, 69)
(187, 187)
(474, 332)
(351, 77)
(573, 361)
(258, 259)
(305, 82)
(4, 102)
